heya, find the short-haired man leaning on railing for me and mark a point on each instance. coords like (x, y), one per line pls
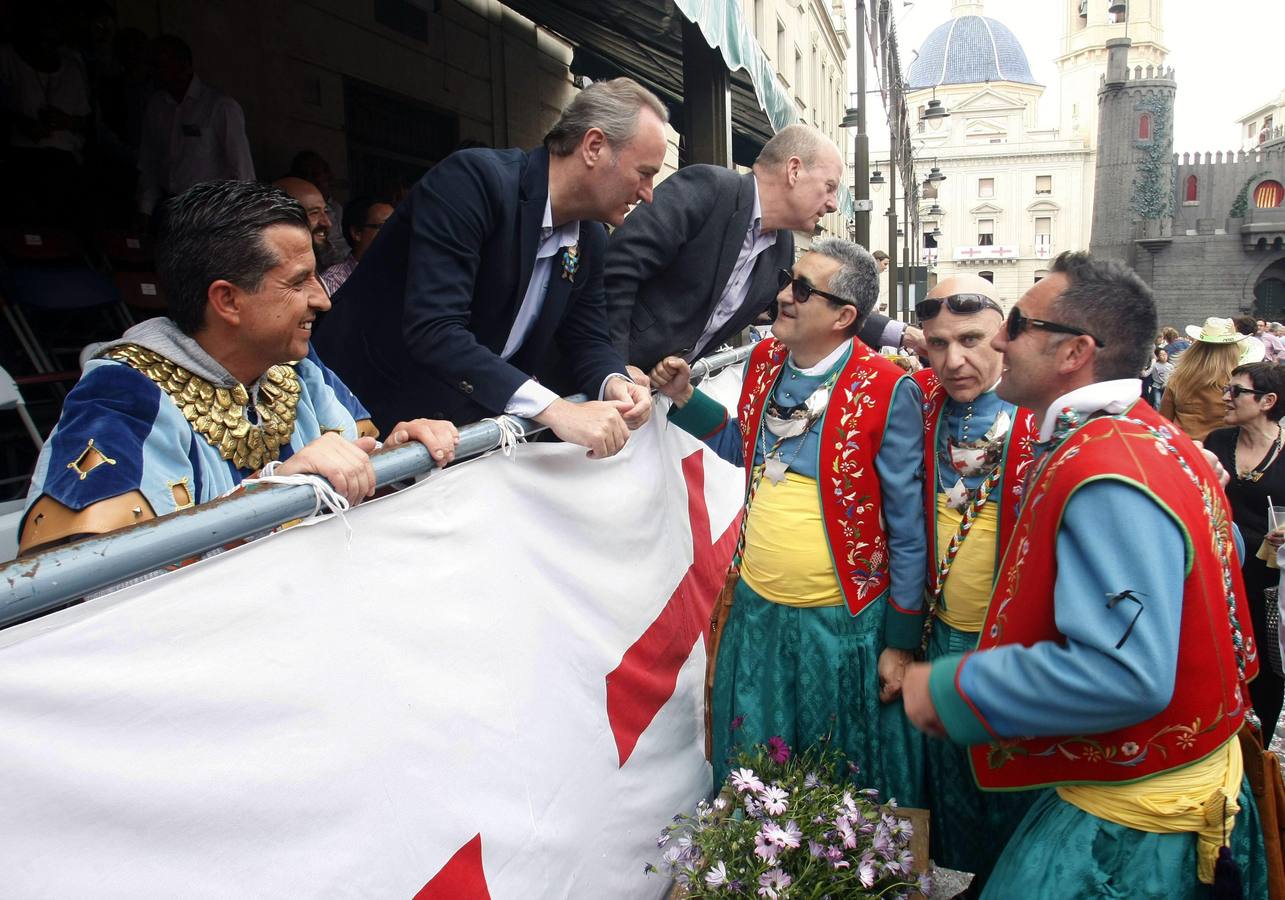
(181, 409)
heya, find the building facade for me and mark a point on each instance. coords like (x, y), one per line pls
(1264, 125)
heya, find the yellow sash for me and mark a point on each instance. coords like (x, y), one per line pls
(1200, 798)
(968, 586)
(787, 556)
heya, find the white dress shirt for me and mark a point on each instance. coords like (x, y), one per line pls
(200, 139)
(25, 92)
(738, 283)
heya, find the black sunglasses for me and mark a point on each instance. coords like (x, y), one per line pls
(1237, 390)
(1017, 323)
(961, 304)
(801, 290)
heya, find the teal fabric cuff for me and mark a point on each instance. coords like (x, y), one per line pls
(962, 722)
(903, 629)
(702, 416)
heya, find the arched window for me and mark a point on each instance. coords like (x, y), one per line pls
(988, 275)
(1144, 127)
(1193, 189)
(1268, 195)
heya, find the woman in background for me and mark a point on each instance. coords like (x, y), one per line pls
(1193, 398)
(1250, 450)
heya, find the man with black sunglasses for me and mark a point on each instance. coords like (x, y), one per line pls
(1114, 656)
(976, 454)
(828, 610)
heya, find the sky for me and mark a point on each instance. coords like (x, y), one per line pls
(1221, 66)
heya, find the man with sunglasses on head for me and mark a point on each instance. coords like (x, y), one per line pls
(828, 610)
(976, 452)
(1113, 659)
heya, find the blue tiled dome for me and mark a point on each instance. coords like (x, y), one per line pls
(969, 50)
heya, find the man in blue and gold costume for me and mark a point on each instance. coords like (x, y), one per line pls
(181, 409)
(977, 452)
(828, 610)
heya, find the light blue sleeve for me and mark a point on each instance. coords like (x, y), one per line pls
(899, 464)
(1118, 664)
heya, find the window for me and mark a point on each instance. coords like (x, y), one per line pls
(758, 19)
(1144, 127)
(986, 187)
(1268, 195)
(1039, 274)
(798, 72)
(1043, 184)
(930, 242)
(1043, 237)
(1193, 189)
(1250, 130)
(985, 232)
(780, 47)
(989, 276)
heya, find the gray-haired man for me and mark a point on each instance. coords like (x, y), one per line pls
(699, 265)
(828, 609)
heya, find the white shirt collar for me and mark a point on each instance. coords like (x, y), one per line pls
(1112, 397)
(551, 239)
(826, 364)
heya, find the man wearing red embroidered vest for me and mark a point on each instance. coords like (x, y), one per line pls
(828, 609)
(1113, 658)
(977, 452)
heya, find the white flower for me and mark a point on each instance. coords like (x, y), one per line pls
(774, 800)
(745, 780)
(717, 876)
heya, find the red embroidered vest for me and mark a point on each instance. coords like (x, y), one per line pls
(1209, 700)
(851, 434)
(1018, 458)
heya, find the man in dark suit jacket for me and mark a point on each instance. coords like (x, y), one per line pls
(698, 266)
(494, 257)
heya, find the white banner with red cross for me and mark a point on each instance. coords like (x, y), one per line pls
(493, 688)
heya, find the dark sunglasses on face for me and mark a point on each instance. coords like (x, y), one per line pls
(1237, 391)
(1017, 323)
(800, 290)
(961, 304)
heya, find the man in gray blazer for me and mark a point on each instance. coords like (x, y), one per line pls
(701, 262)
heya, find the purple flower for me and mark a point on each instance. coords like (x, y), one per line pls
(648, 868)
(663, 839)
(816, 849)
(846, 832)
(866, 871)
(774, 800)
(788, 836)
(764, 848)
(811, 780)
(778, 749)
(772, 882)
(737, 723)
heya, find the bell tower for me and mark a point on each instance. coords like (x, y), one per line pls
(1087, 25)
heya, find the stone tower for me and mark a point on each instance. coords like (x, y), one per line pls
(1086, 29)
(1133, 186)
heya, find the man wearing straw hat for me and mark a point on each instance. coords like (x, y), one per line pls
(1113, 661)
(977, 453)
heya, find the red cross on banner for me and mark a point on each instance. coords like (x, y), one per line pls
(969, 251)
(461, 878)
(645, 679)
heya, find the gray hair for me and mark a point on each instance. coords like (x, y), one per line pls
(610, 106)
(858, 276)
(803, 141)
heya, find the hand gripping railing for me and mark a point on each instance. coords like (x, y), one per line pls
(44, 581)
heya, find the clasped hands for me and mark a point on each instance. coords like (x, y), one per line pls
(602, 426)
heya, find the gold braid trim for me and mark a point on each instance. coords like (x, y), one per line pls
(218, 414)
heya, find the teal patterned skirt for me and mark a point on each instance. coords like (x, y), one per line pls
(807, 673)
(1060, 851)
(969, 826)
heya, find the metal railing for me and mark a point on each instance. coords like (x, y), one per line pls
(47, 580)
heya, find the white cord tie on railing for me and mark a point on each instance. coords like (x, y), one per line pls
(511, 434)
(323, 492)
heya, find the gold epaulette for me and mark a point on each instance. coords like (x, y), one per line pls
(219, 414)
